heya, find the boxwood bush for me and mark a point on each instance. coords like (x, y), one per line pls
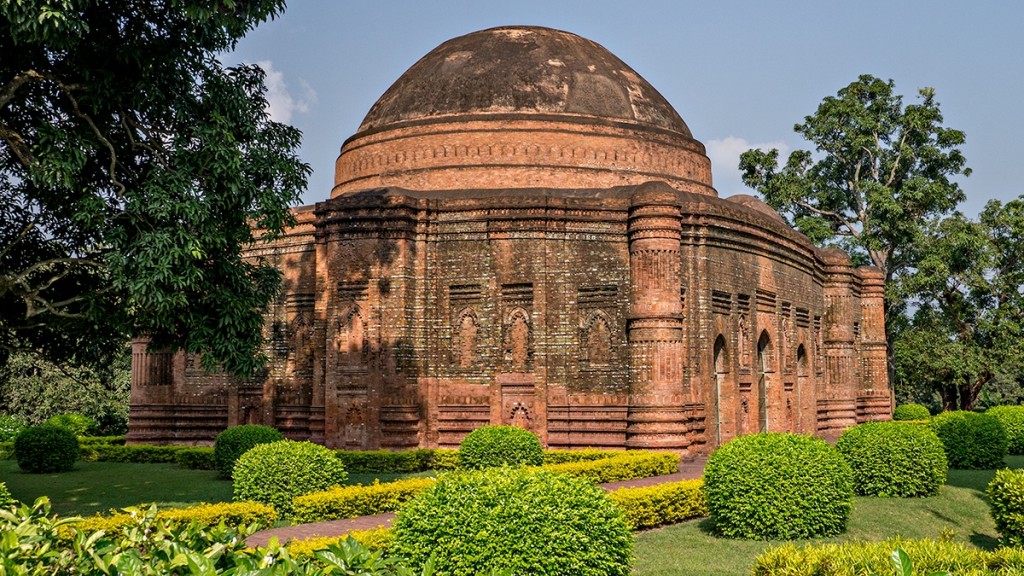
(489, 446)
(1012, 419)
(778, 486)
(894, 459)
(1006, 499)
(237, 440)
(972, 441)
(911, 411)
(43, 449)
(79, 424)
(277, 472)
(516, 519)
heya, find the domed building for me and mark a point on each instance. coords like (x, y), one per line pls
(523, 231)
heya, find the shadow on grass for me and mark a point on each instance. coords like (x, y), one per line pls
(707, 526)
(984, 541)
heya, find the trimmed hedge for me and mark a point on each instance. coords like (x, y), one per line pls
(669, 503)
(911, 411)
(230, 444)
(386, 461)
(444, 459)
(778, 486)
(355, 501)
(858, 558)
(233, 514)
(133, 454)
(584, 455)
(523, 520)
(197, 458)
(626, 466)
(277, 472)
(972, 441)
(377, 539)
(647, 507)
(1006, 500)
(1012, 419)
(894, 459)
(491, 446)
(44, 449)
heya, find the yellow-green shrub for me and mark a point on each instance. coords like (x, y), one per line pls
(1006, 498)
(625, 466)
(584, 455)
(858, 558)
(232, 514)
(375, 539)
(444, 459)
(669, 503)
(355, 501)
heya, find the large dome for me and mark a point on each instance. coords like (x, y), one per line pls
(523, 70)
(521, 107)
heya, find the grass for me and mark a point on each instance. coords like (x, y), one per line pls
(960, 507)
(96, 487)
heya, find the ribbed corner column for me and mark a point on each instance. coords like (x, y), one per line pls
(656, 418)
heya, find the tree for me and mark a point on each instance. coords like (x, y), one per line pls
(968, 328)
(880, 170)
(133, 171)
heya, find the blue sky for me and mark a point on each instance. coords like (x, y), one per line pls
(741, 73)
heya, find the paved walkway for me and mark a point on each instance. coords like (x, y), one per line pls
(687, 470)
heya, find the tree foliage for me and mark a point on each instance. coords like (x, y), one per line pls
(967, 331)
(878, 171)
(133, 168)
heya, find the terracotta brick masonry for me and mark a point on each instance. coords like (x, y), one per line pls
(687, 470)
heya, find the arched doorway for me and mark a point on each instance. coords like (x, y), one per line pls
(724, 396)
(764, 368)
(804, 395)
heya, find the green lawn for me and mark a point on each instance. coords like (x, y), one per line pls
(100, 486)
(689, 548)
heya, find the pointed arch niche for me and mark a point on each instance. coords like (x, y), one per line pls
(764, 368)
(518, 341)
(465, 336)
(596, 340)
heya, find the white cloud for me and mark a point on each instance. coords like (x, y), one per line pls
(280, 102)
(725, 159)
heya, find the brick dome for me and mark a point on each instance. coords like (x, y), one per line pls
(521, 107)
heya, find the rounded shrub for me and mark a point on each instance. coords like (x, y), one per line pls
(40, 449)
(1012, 419)
(277, 472)
(515, 519)
(911, 411)
(778, 486)
(972, 441)
(490, 446)
(10, 426)
(79, 424)
(237, 440)
(894, 459)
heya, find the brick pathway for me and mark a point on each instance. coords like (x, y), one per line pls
(687, 470)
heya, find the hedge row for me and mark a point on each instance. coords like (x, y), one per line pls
(646, 507)
(233, 514)
(585, 455)
(624, 466)
(355, 501)
(857, 558)
(407, 461)
(663, 504)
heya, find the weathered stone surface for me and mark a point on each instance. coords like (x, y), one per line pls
(557, 265)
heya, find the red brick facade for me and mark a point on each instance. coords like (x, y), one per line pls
(524, 232)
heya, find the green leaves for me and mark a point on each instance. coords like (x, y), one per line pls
(878, 172)
(135, 166)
